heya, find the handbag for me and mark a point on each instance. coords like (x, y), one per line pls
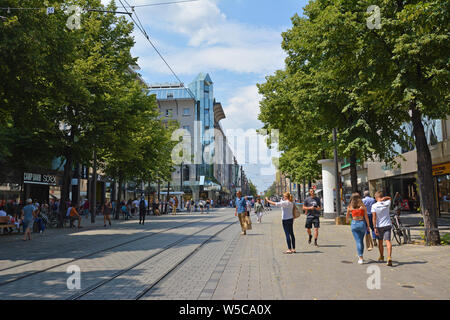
(248, 223)
(295, 211)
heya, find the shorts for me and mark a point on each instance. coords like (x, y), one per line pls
(312, 220)
(28, 224)
(384, 233)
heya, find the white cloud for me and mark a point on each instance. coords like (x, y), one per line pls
(212, 41)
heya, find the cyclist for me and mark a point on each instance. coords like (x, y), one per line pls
(383, 224)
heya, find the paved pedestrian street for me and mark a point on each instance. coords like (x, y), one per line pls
(203, 256)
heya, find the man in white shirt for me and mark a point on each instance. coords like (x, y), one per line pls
(382, 222)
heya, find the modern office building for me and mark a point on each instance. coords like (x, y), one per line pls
(211, 173)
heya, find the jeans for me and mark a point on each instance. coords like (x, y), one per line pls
(288, 226)
(359, 230)
(370, 216)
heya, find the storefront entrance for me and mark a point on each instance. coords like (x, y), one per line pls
(442, 180)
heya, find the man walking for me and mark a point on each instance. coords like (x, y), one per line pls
(382, 222)
(241, 211)
(368, 202)
(312, 207)
(142, 210)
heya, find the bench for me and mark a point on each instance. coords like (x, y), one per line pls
(5, 223)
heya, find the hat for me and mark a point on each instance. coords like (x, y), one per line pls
(30, 201)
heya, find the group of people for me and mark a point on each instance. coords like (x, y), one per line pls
(203, 205)
(369, 214)
(370, 219)
(30, 215)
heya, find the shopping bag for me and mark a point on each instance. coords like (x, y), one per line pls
(295, 212)
(248, 223)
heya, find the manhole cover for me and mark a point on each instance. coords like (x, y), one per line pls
(348, 262)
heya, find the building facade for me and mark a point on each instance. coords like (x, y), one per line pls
(211, 173)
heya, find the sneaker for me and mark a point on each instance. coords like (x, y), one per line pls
(315, 243)
(380, 259)
(360, 261)
(389, 262)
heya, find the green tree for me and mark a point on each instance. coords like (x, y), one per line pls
(367, 82)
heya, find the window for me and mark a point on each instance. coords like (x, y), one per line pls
(186, 128)
(169, 112)
(169, 95)
(186, 112)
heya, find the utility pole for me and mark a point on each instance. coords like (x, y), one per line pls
(336, 172)
(94, 189)
(181, 185)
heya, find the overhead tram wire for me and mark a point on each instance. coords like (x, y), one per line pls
(98, 10)
(141, 28)
(160, 3)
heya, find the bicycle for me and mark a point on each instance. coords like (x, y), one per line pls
(398, 230)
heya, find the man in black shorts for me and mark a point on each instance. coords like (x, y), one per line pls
(312, 207)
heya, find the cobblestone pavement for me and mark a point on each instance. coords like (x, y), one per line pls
(228, 267)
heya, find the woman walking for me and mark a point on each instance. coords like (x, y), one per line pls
(287, 207)
(360, 223)
(106, 211)
(259, 209)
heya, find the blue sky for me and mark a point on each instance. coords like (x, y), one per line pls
(238, 42)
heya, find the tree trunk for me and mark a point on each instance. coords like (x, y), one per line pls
(119, 197)
(167, 197)
(149, 198)
(67, 177)
(426, 186)
(353, 172)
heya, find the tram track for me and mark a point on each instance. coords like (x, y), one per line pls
(20, 277)
(142, 293)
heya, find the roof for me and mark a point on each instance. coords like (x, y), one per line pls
(219, 114)
(171, 93)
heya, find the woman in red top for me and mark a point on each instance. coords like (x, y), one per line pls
(360, 222)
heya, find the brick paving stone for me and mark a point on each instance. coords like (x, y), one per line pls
(230, 267)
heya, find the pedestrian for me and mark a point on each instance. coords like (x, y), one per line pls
(155, 206)
(259, 209)
(207, 205)
(106, 211)
(248, 205)
(142, 210)
(28, 216)
(200, 203)
(287, 217)
(382, 221)
(86, 208)
(368, 202)
(125, 211)
(73, 214)
(174, 205)
(135, 206)
(360, 223)
(312, 207)
(241, 212)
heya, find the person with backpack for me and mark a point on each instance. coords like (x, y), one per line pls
(142, 210)
(287, 217)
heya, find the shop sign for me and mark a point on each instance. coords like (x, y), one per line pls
(441, 169)
(36, 178)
